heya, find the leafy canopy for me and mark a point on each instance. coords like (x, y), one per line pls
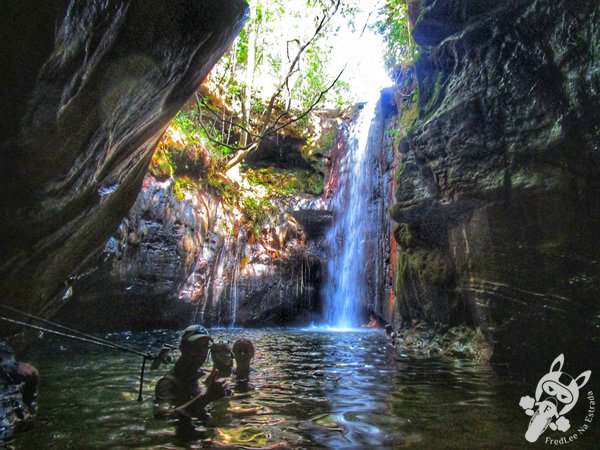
(393, 24)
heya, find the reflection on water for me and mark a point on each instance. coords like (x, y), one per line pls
(310, 389)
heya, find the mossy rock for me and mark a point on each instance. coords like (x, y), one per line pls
(402, 235)
(460, 342)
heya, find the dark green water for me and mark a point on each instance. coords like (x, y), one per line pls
(310, 389)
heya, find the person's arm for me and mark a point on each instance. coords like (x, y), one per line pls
(164, 399)
(215, 389)
(29, 376)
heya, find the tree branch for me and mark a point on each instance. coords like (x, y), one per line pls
(310, 108)
(244, 153)
(268, 126)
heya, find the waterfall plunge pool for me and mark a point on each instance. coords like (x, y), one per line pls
(310, 389)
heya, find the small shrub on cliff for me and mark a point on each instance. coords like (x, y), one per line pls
(312, 183)
(256, 211)
(185, 124)
(181, 185)
(285, 183)
(222, 187)
(394, 26)
(161, 165)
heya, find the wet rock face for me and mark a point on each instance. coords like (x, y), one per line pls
(175, 261)
(498, 192)
(141, 268)
(281, 151)
(314, 222)
(89, 100)
(18, 404)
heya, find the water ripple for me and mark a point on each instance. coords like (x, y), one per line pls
(309, 389)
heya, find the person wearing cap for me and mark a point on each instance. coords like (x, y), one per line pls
(180, 389)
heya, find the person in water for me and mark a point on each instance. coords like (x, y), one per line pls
(222, 358)
(375, 321)
(180, 391)
(243, 352)
(23, 375)
(391, 334)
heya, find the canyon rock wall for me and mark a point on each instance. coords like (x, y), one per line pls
(498, 194)
(176, 261)
(88, 88)
(238, 249)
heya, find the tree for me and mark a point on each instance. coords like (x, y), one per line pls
(394, 25)
(275, 74)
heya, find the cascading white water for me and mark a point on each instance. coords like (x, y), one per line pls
(345, 284)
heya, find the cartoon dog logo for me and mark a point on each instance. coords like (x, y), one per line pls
(556, 394)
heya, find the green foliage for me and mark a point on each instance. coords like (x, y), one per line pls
(265, 186)
(341, 96)
(188, 123)
(433, 86)
(188, 127)
(181, 185)
(162, 164)
(285, 183)
(323, 143)
(314, 80)
(395, 133)
(222, 188)
(410, 112)
(275, 184)
(312, 183)
(394, 27)
(262, 56)
(256, 211)
(400, 273)
(403, 234)
(400, 170)
(258, 107)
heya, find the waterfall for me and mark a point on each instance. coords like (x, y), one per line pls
(354, 224)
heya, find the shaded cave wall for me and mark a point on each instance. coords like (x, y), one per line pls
(87, 87)
(88, 102)
(497, 198)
